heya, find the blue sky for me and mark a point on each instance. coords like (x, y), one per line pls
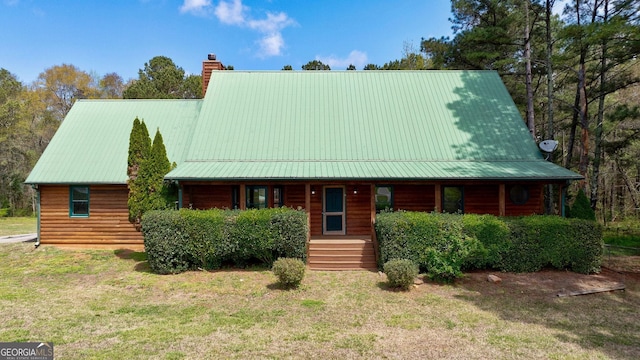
(121, 35)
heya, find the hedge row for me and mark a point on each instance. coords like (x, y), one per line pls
(177, 241)
(444, 244)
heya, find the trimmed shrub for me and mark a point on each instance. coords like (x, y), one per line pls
(400, 273)
(204, 234)
(165, 242)
(587, 247)
(443, 244)
(189, 239)
(290, 233)
(290, 272)
(524, 252)
(448, 250)
(488, 238)
(542, 241)
(581, 208)
(250, 236)
(435, 242)
(394, 233)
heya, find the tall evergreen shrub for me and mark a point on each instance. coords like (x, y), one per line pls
(581, 208)
(139, 147)
(147, 166)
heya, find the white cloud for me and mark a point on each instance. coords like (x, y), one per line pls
(358, 58)
(272, 43)
(234, 13)
(273, 23)
(196, 7)
(231, 13)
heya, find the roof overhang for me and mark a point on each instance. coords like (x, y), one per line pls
(532, 170)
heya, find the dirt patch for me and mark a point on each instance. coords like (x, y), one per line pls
(548, 283)
(625, 264)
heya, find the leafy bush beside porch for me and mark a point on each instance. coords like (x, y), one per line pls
(176, 241)
(444, 244)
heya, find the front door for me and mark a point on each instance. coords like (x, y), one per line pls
(333, 219)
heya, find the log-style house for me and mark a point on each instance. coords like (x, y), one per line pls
(341, 145)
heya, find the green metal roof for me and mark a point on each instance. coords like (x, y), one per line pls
(91, 145)
(362, 124)
(374, 170)
(379, 125)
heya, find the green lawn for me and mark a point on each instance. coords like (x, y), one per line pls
(105, 305)
(623, 238)
(17, 225)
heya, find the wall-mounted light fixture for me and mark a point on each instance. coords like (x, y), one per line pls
(355, 190)
(313, 190)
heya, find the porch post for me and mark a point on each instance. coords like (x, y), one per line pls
(562, 197)
(243, 197)
(373, 205)
(502, 200)
(438, 190)
(307, 205)
(374, 238)
(307, 208)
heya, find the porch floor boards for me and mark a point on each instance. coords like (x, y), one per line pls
(341, 253)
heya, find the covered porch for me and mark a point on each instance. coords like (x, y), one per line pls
(342, 214)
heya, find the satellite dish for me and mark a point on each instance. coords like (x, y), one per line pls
(548, 146)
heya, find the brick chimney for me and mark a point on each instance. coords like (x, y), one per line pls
(209, 66)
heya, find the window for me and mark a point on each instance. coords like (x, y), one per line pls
(79, 201)
(519, 194)
(384, 197)
(452, 199)
(257, 197)
(278, 199)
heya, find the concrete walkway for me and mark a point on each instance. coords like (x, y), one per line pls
(18, 238)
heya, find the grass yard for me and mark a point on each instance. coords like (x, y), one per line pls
(622, 238)
(17, 225)
(105, 305)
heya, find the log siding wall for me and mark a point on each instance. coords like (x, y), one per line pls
(481, 199)
(207, 196)
(535, 205)
(106, 226)
(358, 209)
(414, 197)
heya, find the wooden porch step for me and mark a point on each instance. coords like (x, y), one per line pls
(341, 253)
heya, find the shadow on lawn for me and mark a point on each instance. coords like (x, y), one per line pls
(607, 322)
(140, 257)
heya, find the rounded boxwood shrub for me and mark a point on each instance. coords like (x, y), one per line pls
(289, 271)
(400, 273)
